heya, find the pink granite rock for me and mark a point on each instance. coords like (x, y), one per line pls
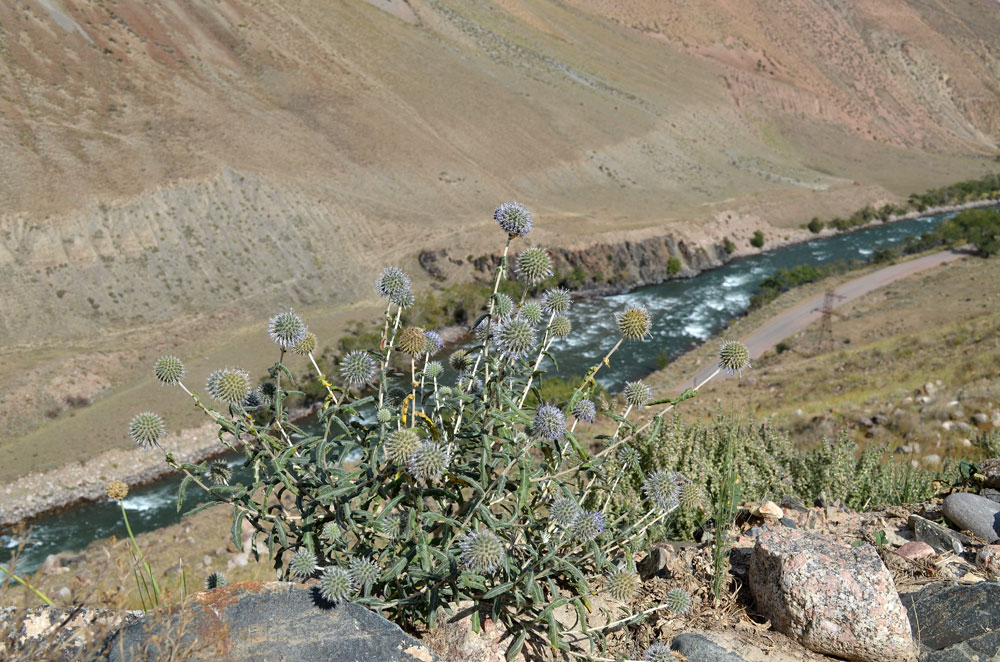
(988, 559)
(915, 550)
(831, 597)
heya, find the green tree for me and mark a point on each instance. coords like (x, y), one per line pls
(673, 265)
(815, 225)
(758, 239)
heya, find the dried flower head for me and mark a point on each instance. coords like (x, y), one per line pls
(637, 394)
(215, 580)
(219, 472)
(116, 490)
(412, 341)
(691, 497)
(556, 300)
(482, 552)
(428, 461)
(146, 430)
(393, 284)
(434, 342)
(514, 337)
(584, 410)
(358, 368)
(503, 305)
(678, 601)
(364, 571)
(303, 564)
(734, 357)
(168, 370)
(634, 323)
(513, 219)
(533, 265)
(460, 360)
(662, 487)
(229, 385)
(307, 345)
(532, 312)
(286, 329)
(621, 584)
(336, 584)
(563, 512)
(588, 525)
(659, 652)
(401, 444)
(561, 326)
(548, 422)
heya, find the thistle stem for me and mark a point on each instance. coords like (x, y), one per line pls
(538, 361)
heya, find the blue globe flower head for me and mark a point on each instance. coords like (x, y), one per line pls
(513, 219)
(392, 284)
(585, 410)
(286, 329)
(514, 337)
(563, 512)
(549, 422)
(588, 525)
(435, 343)
(663, 488)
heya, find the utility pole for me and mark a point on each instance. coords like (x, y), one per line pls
(827, 313)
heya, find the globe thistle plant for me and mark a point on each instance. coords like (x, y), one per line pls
(383, 415)
(460, 360)
(561, 326)
(634, 323)
(303, 564)
(662, 487)
(513, 219)
(734, 357)
(637, 394)
(533, 265)
(628, 457)
(331, 532)
(429, 461)
(219, 472)
(621, 584)
(548, 422)
(215, 580)
(168, 370)
(394, 396)
(268, 391)
(286, 329)
(514, 337)
(556, 300)
(659, 652)
(585, 410)
(358, 368)
(678, 601)
(364, 571)
(412, 341)
(336, 584)
(691, 497)
(116, 490)
(588, 525)
(433, 370)
(469, 383)
(146, 430)
(393, 525)
(393, 284)
(307, 345)
(253, 400)
(434, 344)
(229, 385)
(401, 444)
(503, 305)
(406, 299)
(563, 512)
(482, 552)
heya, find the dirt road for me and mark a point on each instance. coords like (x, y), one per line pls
(798, 317)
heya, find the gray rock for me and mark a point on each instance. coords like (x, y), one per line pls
(266, 621)
(990, 493)
(941, 539)
(955, 622)
(58, 634)
(974, 513)
(697, 647)
(991, 472)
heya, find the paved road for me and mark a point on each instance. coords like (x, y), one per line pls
(801, 315)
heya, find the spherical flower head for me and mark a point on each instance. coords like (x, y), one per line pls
(215, 580)
(394, 396)
(678, 601)
(433, 370)
(469, 383)
(659, 652)
(513, 219)
(412, 341)
(662, 487)
(560, 326)
(358, 368)
(364, 572)
(168, 370)
(588, 525)
(336, 584)
(116, 490)
(393, 525)
(548, 422)
(563, 512)
(219, 472)
(253, 400)
(621, 584)
(503, 305)
(392, 284)
(533, 265)
(303, 564)
(428, 461)
(146, 430)
(286, 329)
(268, 391)
(514, 337)
(634, 323)
(734, 357)
(628, 457)
(637, 394)
(444, 392)
(401, 444)
(405, 300)
(585, 410)
(229, 385)
(460, 360)
(383, 415)
(482, 552)
(307, 345)
(532, 312)
(330, 531)
(434, 342)
(691, 497)
(556, 300)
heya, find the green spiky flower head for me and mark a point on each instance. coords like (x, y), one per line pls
(433, 370)
(514, 337)
(621, 584)
(401, 444)
(307, 345)
(678, 601)
(393, 525)
(412, 341)
(429, 461)
(585, 410)
(336, 584)
(358, 368)
(286, 329)
(303, 564)
(460, 360)
(637, 394)
(734, 357)
(383, 415)
(147, 429)
(563, 512)
(503, 305)
(556, 300)
(169, 370)
(215, 580)
(662, 487)
(482, 552)
(229, 385)
(588, 525)
(393, 284)
(532, 312)
(364, 572)
(331, 532)
(561, 326)
(533, 265)
(691, 497)
(659, 652)
(628, 457)
(634, 323)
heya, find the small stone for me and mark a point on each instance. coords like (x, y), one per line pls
(791, 503)
(64, 593)
(930, 388)
(960, 621)
(988, 559)
(931, 460)
(696, 647)
(990, 493)
(789, 522)
(915, 550)
(769, 510)
(971, 512)
(941, 539)
(979, 418)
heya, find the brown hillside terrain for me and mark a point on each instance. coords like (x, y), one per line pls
(176, 166)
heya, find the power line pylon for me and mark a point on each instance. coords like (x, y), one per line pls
(824, 338)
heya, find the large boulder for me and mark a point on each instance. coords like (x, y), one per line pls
(956, 623)
(971, 512)
(832, 598)
(265, 622)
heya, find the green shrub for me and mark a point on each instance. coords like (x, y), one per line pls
(815, 225)
(782, 347)
(673, 265)
(758, 239)
(728, 246)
